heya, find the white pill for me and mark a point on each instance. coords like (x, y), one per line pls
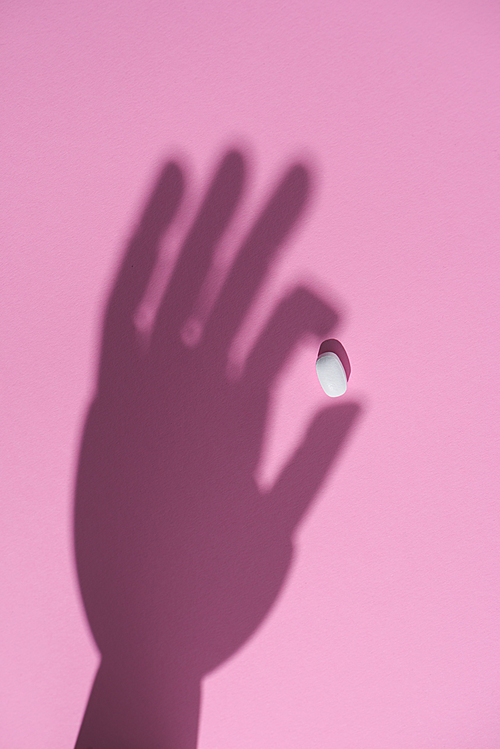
(331, 374)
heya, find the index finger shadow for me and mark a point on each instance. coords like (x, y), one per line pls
(300, 313)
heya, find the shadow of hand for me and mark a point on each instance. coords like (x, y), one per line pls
(179, 554)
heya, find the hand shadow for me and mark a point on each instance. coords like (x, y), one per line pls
(179, 555)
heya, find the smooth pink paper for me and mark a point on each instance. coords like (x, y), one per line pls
(386, 633)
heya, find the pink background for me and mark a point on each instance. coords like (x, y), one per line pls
(386, 634)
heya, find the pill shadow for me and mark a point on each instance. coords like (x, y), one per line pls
(180, 557)
(335, 347)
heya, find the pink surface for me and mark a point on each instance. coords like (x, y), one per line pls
(385, 633)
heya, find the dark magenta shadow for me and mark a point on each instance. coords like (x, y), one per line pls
(180, 557)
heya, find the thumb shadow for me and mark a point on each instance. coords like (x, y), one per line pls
(179, 555)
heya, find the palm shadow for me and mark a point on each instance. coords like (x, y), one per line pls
(179, 555)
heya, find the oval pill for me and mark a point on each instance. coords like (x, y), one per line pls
(331, 374)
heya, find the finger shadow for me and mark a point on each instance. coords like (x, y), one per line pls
(180, 557)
